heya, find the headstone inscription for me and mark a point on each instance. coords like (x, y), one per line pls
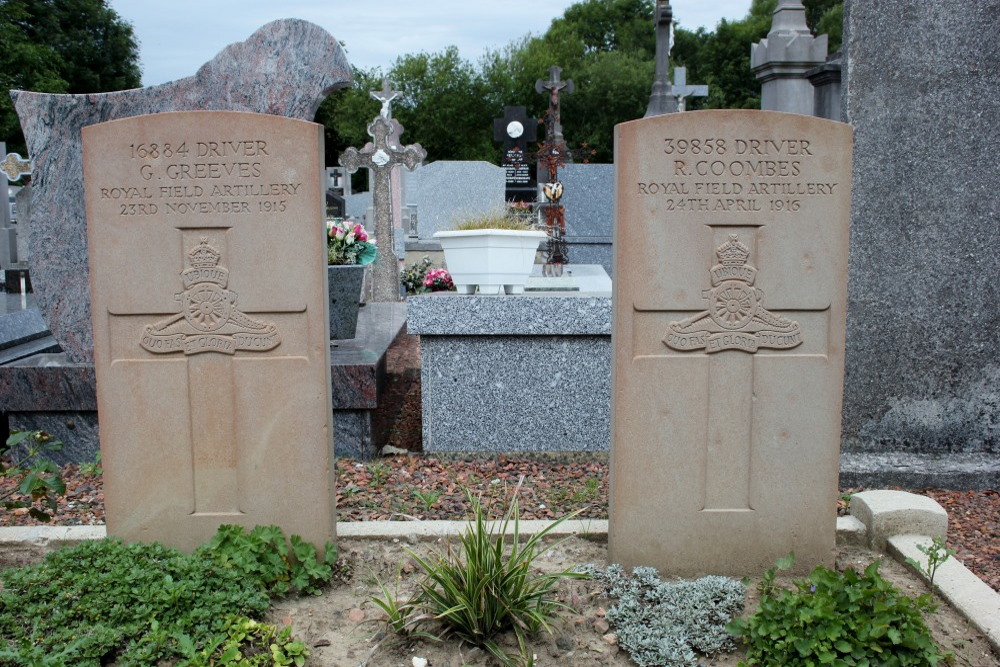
(213, 374)
(515, 130)
(729, 298)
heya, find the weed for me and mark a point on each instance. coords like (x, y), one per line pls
(36, 476)
(937, 552)
(92, 468)
(379, 471)
(428, 498)
(837, 618)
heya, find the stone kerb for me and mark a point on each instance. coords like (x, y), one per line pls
(889, 513)
(286, 68)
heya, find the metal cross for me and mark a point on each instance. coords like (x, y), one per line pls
(385, 96)
(381, 156)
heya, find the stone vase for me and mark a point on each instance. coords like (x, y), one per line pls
(345, 294)
(496, 261)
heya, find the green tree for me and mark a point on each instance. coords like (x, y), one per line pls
(62, 46)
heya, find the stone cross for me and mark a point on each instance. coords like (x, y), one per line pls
(14, 166)
(515, 130)
(381, 156)
(680, 90)
(660, 100)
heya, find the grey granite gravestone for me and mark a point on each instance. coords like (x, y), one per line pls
(260, 75)
(782, 59)
(588, 200)
(921, 401)
(444, 192)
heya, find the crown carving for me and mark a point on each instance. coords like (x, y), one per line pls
(732, 252)
(204, 256)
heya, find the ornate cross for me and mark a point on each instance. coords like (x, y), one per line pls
(553, 86)
(15, 166)
(381, 156)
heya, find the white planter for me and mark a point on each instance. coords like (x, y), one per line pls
(495, 260)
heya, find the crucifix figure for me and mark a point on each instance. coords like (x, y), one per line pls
(551, 155)
(680, 91)
(381, 156)
(385, 96)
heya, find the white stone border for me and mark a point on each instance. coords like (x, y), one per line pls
(895, 519)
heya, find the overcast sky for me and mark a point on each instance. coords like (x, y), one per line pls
(176, 37)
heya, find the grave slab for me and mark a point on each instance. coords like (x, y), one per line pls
(729, 298)
(212, 357)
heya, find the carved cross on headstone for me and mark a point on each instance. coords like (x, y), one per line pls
(680, 91)
(381, 156)
(660, 101)
(734, 325)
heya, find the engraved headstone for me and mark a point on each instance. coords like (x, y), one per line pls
(516, 131)
(213, 375)
(730, 291)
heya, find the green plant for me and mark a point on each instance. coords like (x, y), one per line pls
(264, 555)
(247, 643)
(379, 471)
(937, 552)
(348, 243)
(837, 618)
(92, 468)
(22, 458)
(664, 623)
(497, 218)
(485, 586)
(428, 498)
(138, 603)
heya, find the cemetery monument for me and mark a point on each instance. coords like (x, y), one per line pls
(730, 302)
(206, 244)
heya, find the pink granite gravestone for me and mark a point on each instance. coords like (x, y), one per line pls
(286, 68)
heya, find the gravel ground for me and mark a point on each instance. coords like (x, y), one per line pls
(428, 487)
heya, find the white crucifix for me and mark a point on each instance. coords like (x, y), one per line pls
(737, 323)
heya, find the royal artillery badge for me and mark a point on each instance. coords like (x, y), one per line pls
(209, 320)
(736, 318)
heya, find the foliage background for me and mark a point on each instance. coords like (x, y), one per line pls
(448, 105)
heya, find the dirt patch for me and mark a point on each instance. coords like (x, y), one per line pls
(343, 626)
